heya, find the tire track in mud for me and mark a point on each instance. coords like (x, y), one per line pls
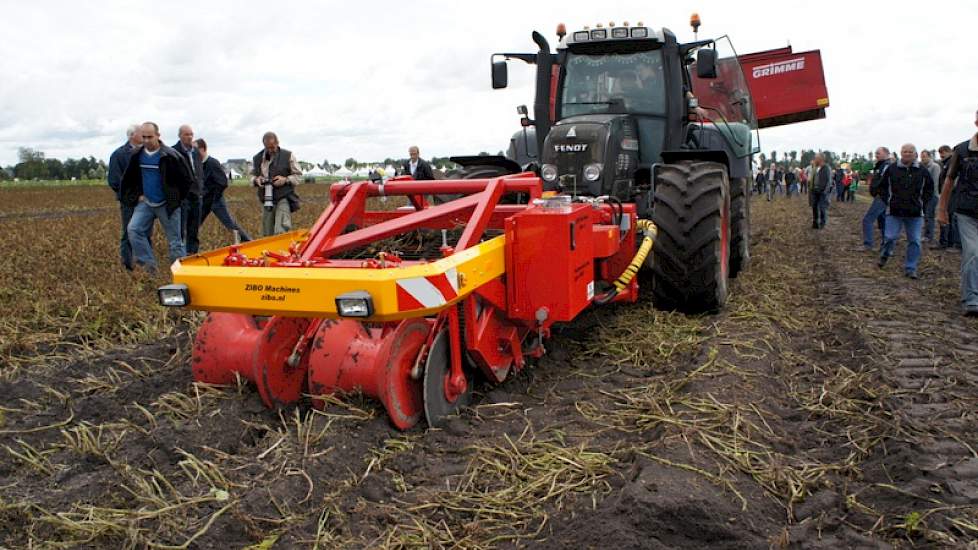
(919, 483)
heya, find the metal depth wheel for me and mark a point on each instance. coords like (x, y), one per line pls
(437, 369)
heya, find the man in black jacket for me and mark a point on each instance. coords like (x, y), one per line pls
(190, 216)
(821, 187)
(215, 182)
(117, 167)
(155, 183)
(905, 187)
(962, 181)
(417, 167)
(275, 172)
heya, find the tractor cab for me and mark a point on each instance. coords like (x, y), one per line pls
(612, 103)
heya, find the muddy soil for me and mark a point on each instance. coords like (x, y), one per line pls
(831, 405)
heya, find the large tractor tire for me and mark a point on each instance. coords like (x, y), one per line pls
(691, 252)
(739, 225)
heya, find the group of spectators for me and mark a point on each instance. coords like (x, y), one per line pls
(795, 180)
(180, 186)
(914, 197)
(910, 196)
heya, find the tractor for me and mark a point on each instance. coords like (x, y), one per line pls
(630, 113)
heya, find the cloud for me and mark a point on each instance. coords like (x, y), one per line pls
(366, 80)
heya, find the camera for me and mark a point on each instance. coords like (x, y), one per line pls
(269, 193)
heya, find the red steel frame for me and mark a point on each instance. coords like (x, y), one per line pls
(286, 357)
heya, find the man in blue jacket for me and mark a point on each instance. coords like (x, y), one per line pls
(215, 182)
(117, 167)
(877, 210)
(906, 188)
(155, 183)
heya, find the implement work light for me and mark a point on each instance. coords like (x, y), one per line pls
(619, 32)
(640, 32)
(355, 304)
(581, 36)
(176, 295)
(599, 33)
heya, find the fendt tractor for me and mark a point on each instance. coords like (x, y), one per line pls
(637, 159)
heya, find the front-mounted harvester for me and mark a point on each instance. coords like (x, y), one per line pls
(407, 305)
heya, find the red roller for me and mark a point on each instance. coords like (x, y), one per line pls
(346, 356)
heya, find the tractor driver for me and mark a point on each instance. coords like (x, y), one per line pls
(647, 76)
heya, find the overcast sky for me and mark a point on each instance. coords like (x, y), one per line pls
(341, 79)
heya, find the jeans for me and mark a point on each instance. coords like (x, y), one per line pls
(214, 202)
(968, 226)
(912, 227)
(792, 189)
(820, 209)
(840, 192)
(125, 248)
(277, 219)
(875, 214)
(771, 189)
(190, 222)
(930, 211)
(140, 227)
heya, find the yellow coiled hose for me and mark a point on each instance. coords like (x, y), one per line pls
(649, 230)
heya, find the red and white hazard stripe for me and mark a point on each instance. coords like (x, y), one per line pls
(427, 292)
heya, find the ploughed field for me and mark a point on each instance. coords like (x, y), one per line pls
(831, 405)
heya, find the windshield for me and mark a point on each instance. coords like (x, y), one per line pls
(604, 83)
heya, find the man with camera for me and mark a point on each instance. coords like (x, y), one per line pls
(275, 172)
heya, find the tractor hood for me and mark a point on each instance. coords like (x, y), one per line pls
(580, 141)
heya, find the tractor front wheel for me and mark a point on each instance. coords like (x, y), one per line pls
(691, 253)
(739, 225)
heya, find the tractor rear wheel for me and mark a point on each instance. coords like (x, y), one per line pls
(691, 252)
(739, 225)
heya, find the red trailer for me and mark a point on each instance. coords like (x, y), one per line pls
(787, 87)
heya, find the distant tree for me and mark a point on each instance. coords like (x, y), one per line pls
(334, 167)
(350, 163)
(305, 166)
(54, 169)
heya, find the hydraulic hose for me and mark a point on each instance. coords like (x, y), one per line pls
(649, 230)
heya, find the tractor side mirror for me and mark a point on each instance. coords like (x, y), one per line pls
(706, 63)
(500, 76)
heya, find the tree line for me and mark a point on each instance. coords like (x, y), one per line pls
(33, 165)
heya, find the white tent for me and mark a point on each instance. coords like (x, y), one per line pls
(390, 171)
(317, 173)
(234, 174)
(343, 172)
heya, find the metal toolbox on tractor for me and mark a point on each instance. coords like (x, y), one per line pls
(550, 259)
